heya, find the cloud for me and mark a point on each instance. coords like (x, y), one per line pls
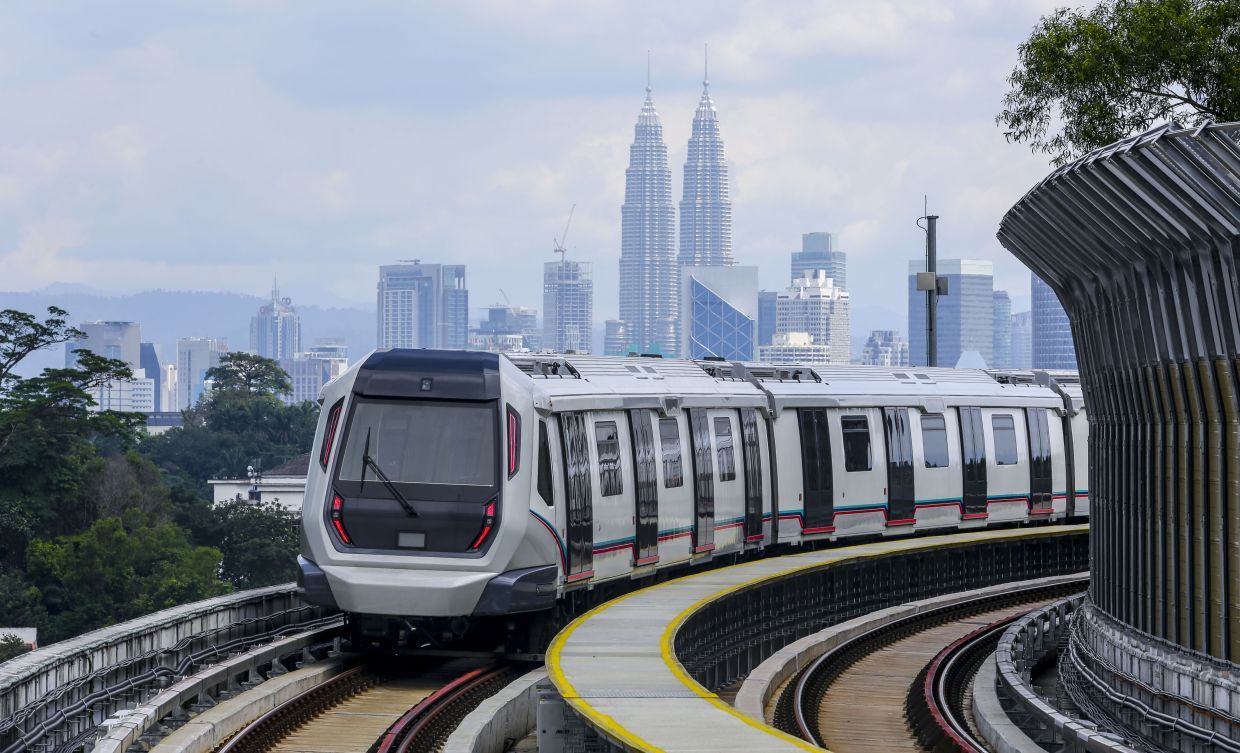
(216, 146)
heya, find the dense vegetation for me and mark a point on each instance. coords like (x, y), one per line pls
(100, 523)
(1085, 79)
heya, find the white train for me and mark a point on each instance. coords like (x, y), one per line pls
(451, 488)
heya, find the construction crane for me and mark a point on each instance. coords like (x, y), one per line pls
(559, 242)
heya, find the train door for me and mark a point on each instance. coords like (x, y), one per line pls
(973, 463)
(703, 481)
(579, 496)
(936, 456)
(861, 490)
(614, 508)
(1039, 460)
(675, 494)
(1078, 491)
(646, 488)
(751, 451)
(818, 513)
(901, 496)
(1007, 471)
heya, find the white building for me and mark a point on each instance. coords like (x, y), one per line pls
(816, 306)
(168, 388)
(285, 484)
(885, 347)
(795, 348)
(136, 395)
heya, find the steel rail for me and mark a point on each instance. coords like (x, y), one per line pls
(426, 727)
(935, 705)
(801, 699)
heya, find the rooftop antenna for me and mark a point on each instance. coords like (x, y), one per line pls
(647, 71)
(705, 65)
(559, 242)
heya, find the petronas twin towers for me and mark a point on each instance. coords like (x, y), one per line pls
(649, 265)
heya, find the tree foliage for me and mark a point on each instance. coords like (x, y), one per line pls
(22, 334)
(1086, 79)
(118, 569)
(250, 374)
(11, 647)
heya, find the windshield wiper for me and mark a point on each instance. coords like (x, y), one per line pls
(369, 462)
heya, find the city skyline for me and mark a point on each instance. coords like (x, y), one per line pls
(323, 212)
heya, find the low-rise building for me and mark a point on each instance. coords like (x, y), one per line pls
(285, 484)
(795, 348)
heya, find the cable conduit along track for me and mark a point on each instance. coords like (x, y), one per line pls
(797, 708)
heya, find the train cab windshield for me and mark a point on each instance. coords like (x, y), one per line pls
(422, 443)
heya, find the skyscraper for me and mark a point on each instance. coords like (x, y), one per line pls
(766, 316)
(615, 338)
(649, 280)
(818, 252)
(1022, 340)
(720, 305)
(705, 209)
(276, 331)
(568, 306)
(151, 368)
(422, 306)
(119, 340)
(965, 315)
(1052, 335)
(813, 305)
(194, 356)
(1002, 349)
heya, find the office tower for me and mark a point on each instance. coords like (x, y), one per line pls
(965, 315)
(1022, 340)
(275, 332)
(814, 305)
(1002, 331)
(766, 316)
(818, 252)
(705, 209)
(149, 361)
(194, 356)
(307, 374)
(119, 340)
(795, 348)
(615, 338)
(507, 329)
(885, 347)
(422, 306)
(649, 280)
(568, 306)
(1052, 335)
(720, 305)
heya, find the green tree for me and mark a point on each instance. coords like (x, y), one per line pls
(259, 543)
(22, 334)
(250, 374)
(1086, 79)
(11, 647)
(118, 569)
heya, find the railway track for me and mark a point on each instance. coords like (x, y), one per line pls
(855, 696)
(393, 709)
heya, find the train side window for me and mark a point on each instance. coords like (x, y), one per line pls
(723, 448)
(857, 456)
(669, 441)
(1005, 439)
(934, 441)
(608, 439)
(544, 465)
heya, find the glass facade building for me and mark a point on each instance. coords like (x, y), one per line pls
(568, 306)
(1002, 331)
(965, 314)
(1052, 335)
(705, 206)
(721, 310)
(422, 306)
(766, 316)
(275, 332)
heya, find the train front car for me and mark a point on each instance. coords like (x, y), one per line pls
(415, 511)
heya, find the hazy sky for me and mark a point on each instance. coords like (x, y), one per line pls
(210, 146)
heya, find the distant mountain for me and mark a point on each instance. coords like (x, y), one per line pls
(167, 315)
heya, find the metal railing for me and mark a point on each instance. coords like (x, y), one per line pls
(54, 698)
